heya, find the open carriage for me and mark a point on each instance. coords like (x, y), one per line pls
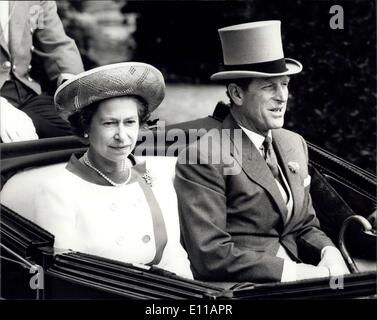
(343, 196)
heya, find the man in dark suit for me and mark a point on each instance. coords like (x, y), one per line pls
(30, 28)
(245, 208)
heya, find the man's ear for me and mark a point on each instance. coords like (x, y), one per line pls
(236, 94)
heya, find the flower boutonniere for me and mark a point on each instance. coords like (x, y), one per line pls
(148, 178)
(293, 166)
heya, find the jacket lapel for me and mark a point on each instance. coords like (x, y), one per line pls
(255, 166)
(17, 23)
(3, 43)
(285, 152)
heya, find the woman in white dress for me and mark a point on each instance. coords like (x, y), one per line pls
(104, 202)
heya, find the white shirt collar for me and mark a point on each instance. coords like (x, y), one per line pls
(256, 138)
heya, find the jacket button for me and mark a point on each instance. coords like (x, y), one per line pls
(7, 64)
(146, 238)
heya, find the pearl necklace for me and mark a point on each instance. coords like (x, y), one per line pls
(90, 165)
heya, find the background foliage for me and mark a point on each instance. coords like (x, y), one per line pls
(333, 101)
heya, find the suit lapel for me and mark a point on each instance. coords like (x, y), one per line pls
(255, 166)
(3, 43)
(285, 152)
(17, 23)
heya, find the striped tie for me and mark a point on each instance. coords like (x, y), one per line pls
(270, 157)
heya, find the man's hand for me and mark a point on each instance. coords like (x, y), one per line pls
(333, 260)
(293, 271)
(307, 271)
(15, 125)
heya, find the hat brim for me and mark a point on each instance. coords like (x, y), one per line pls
(110, 81)
(293, 67)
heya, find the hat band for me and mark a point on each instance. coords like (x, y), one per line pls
(275, 66)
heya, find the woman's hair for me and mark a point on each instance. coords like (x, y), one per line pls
(80, 121)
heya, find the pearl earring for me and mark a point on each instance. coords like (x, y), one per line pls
(86, 136)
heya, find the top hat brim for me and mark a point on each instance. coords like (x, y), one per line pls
(293, 67)
(110, 81)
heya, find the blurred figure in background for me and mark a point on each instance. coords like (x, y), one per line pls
(30, 28)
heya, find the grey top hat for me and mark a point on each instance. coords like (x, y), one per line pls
(253, 50)
(114, 80)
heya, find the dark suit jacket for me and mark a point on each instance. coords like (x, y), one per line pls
(36, 27)
(232, 225)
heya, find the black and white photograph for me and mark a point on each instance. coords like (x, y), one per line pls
(206, 152)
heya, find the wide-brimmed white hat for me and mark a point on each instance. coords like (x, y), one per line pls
(253, 50)
(114, 80)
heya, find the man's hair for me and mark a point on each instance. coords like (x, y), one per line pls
(80, 121)
(242, 83)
